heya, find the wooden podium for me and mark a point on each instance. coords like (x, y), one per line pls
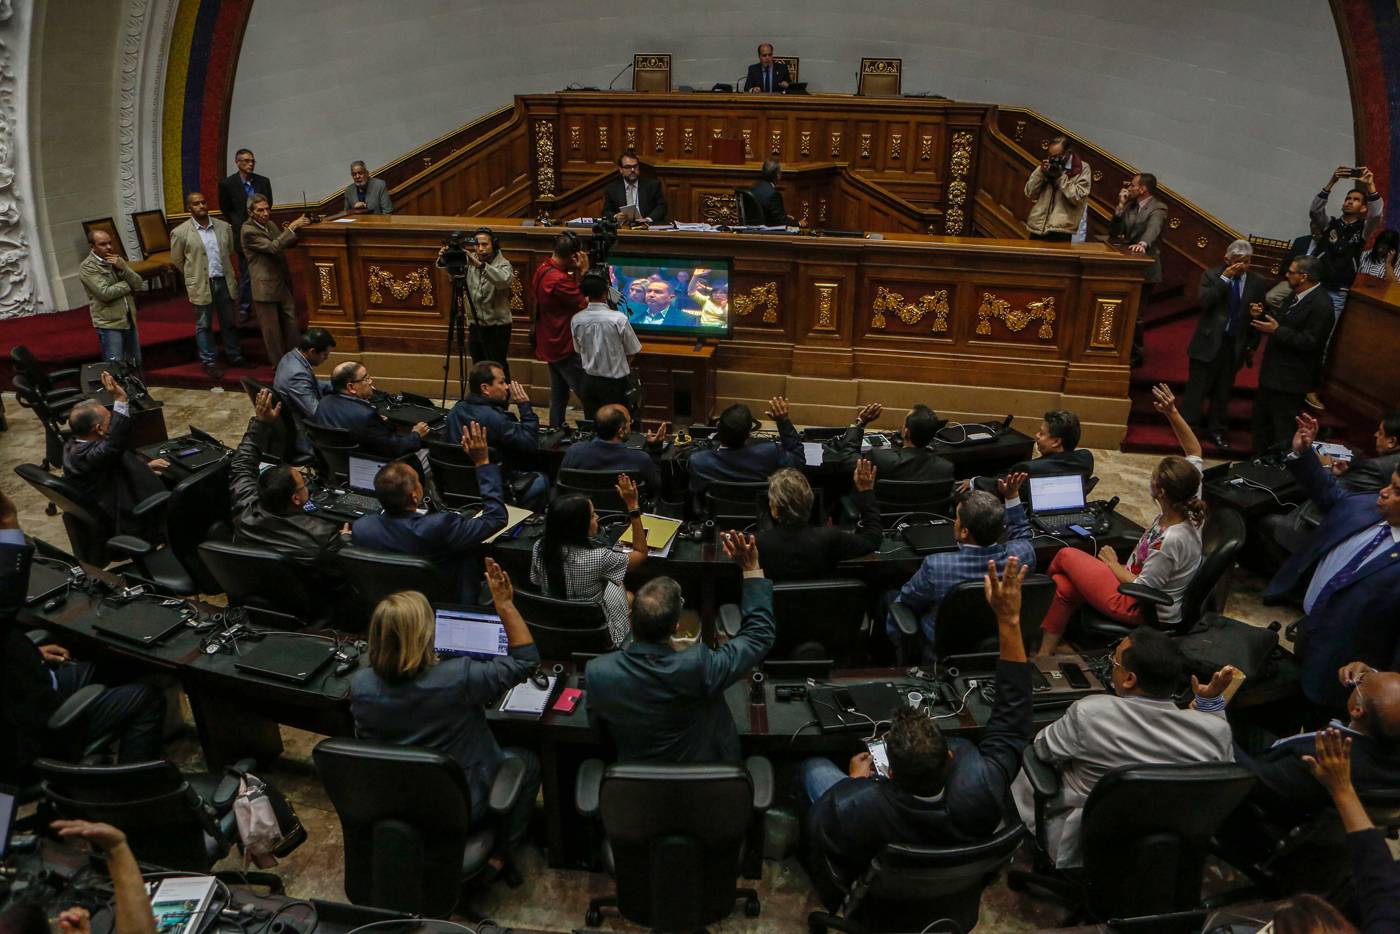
(678, 381)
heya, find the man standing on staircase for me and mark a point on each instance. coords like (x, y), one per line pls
(1139, 220)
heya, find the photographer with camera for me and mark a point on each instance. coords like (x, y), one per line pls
(557, 300)
(488, 274)
(1060, 188)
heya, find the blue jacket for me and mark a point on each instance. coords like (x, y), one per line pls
(445, 538)
(609, 455)
(1357, 623)
(301, 391)
(660, 705)
(372, 430)
(751, 464)
(504, 431)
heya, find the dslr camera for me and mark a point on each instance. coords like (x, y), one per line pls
(1057, 164)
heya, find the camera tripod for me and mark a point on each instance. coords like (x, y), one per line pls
(457, 335)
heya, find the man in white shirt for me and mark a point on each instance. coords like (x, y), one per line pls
(606, 345)
(202, 248)
(1139, 724)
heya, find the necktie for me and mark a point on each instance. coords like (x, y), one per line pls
(768, 78)
(1348, 571)
(1235, 290)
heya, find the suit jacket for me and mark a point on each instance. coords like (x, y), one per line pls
(1287, 788)
(1370, 475)
(608, 455)
(376, 197)
(808, 552)
(117, 478)
(903, 463)
(445, 538)
(110, 294)
(660, 705)
(302, 537)
(27, 696)
(1293, 354)
(1215, 315)
(1143, 224)
(301, 391)
(516, 437)
(1300, 248)
(770, 202)
(858, 816)
(188, 254)
(754, 79)
(372, 430)
(651, 199)
(1357, 623)
(1080, 461)
(233, 201)
(749, 464)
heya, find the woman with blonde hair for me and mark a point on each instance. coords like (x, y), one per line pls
(795, 549)
(410, 697)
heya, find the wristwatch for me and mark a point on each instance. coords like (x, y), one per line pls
(634, 514)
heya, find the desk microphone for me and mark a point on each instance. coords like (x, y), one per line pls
(620, 74)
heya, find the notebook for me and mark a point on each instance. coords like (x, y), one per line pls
(526, 698)
(661, 532)
(181, 905)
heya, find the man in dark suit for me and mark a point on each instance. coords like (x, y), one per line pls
(609, 451)
(770, 199)
(660, 705)
(1222, 339)
(937, 791)
(911, 461)
(296, 381)
(1373, 474)
(767, 76)
(644, 194)
(445, 538)
(517, 438)
(1057, 444)
(98, 462)
(1139, 220)
(1348, 572)
(1308, 245)
(1293, 356)
(234, 193)
(349, 407)
(736, 461)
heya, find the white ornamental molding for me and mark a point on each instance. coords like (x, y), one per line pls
(140, 93)
(17, 290)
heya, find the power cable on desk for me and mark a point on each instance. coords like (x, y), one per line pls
(1245, 481)
(446, 925)
(270, 926)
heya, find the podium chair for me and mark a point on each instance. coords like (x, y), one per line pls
(651, 71)
(791, 62)
(879, 77)
(147, 269)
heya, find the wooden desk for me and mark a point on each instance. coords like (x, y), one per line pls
(678, 379)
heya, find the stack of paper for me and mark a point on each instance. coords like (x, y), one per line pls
(661, 535)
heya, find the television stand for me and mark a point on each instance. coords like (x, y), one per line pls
(678, 380)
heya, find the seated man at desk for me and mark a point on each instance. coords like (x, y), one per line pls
(795, 549)
(979, 524)
(366, 195)
(912, 460)
(660, 705)
(609, 451)
(488, 404)
(1057, 444)
(937, 792)
(448, 539)
(348, 407)
(767, 76)
(770, 199)
(98, 462)
(645, 196)
(36, 679)
(267, 506)
(296, 381)
(735, 461)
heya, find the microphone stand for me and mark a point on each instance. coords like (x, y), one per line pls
(620, 74)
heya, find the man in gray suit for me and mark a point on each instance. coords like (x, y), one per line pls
(1139, 220)
(296, 382)
(366, 195)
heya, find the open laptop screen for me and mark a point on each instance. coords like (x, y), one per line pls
(362, 472)
(470, 632)
(1053, 494)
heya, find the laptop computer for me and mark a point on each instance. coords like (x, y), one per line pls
(461, 630)
(360, 474)
(1057, 502)
(9, 800)
(283, 658)
(931, 539)
(137, 622)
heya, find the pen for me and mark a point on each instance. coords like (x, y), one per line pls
(518, 530)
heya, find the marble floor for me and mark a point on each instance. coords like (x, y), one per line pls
(549, 899)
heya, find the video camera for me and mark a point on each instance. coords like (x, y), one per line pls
(1057, 164)
(455, 259)
(604, 239)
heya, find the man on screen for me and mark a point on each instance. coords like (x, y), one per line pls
(659, 307)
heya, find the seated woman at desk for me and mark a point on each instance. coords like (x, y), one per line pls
(410, 697)
(1165, 557)
(568, 565)
(798, 550)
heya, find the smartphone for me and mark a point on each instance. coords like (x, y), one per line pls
(1074, 675)
(1038, 680)
(568, 700)
(880, 755)
(1355, 172)
(187, 452)
(843, 699)
(1081, 531)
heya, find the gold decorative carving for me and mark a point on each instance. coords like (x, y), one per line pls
(776, 140)
(1098, 175)
(653, 62)
(544, 157)
(806, 219)
(603, 138)
(957, 191)
(330, 291)
(427, 161)
(821, 210)
(1274, 268)
(865, 145)
(880, 66)
(719, 209)
(826, 305)
(887, 302)
(962, 154)
(660, 133)
(1201, 242)
(953, 220)
(1105, 311)
(748, 142)
(1045, 144)
(632, 138)
(1015, 319)
(1174, 223)
(765, 295)
(718, 133)
(517, 292)
(806, 139)
(925, 148)
(688, 139)
(896, 144)
(420, 280)
(1020, 130)
(835, 144)
(575, 138)
(960, 164)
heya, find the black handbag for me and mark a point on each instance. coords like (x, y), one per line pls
(1217, 641)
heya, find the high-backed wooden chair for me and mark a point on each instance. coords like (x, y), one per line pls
(879, 77)
(153, 236)
(651, 71)
(146, 269)
(791, 62)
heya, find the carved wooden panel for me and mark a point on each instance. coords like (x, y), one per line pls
(400, 287)
(1018, 315)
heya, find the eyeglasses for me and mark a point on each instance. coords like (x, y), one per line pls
(363, 379)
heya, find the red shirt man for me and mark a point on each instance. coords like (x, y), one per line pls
(557, 300)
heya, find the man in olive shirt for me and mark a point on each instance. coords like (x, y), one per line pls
(110, 283)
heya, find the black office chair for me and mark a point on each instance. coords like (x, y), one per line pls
(455, 475)
(749, 211)
(815, 620)
(908, 888)
(674, 866)
(333, 447)
(373, 575)
(172, 819)
(1222, 538)
(405, 813)
(899, 498)
(737, 505)
(562, 627)
(1145, 835)
(600, 486)
(264, 579)
(55, 434)
(59, 398)
(283, 445)
(965, 623)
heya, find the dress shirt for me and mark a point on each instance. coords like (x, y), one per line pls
(1338, 558)
(211, 249)
(247, 185)
(604, 340)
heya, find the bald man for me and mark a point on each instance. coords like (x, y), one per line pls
(349, 407)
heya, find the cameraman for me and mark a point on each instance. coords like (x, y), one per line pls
(1060, 187)
(489, 275)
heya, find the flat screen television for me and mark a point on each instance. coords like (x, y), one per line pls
(673, 296)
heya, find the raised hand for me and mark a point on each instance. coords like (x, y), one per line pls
(264, 408)
(865, 475)
(1163, 400)
(659, 434)
(1331, 760)
(870, 413)
(628, 491)
(1010, 487)
(502, 591)
(114, 387)
(777, 408)
(1306, 434)
(516, 393)
(1217, 684)
(474, 443)
(1003, 590)
(104, 836)
(741, 549)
